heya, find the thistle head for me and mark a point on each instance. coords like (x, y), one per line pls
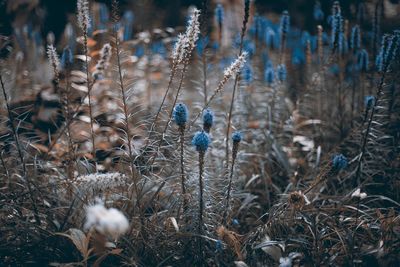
(208, 120)
(339, 162)
(282, 72)
(180, 114)
(201, 141)
(237, 137)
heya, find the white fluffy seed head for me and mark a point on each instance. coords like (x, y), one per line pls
(180, 49)
(193, 28)
(109, 222)
(236, 66)
(83, 15)
(358, 194)
(53, 58)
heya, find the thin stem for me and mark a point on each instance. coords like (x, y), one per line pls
(89, 98)
(183, 186)
(201, 203)
(228, 195)
(244, 27)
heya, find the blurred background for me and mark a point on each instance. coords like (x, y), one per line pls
(52, 16)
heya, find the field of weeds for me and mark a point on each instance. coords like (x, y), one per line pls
(235, 139)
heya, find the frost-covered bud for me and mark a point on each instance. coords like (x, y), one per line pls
(208, 120)
(201, 141)
(339, 162)
(180, 114)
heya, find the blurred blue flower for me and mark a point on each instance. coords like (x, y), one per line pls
(339, 162)
(282, 73)
(369, 101)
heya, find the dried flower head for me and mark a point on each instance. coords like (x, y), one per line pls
(297, 200)
(53, 58)
(83, 15)
(236, 66)
(105, 56)
(237, 137)
(109, 222)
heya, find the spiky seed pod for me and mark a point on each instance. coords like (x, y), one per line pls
(363, 61)
(269, 75)
(83, 15)
(297, 200)
(67, 58)
(201, 141)
(208, 120)
(105, 56)
(355, 41)
(339, 162)
(282, 72)
(180, 114)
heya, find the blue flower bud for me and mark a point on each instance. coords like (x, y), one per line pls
(66, 58)
(339, 162)
(369, 101)
(318, 13)
(180, 114)
(201, 141)
(237, 137)
(208, 120)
